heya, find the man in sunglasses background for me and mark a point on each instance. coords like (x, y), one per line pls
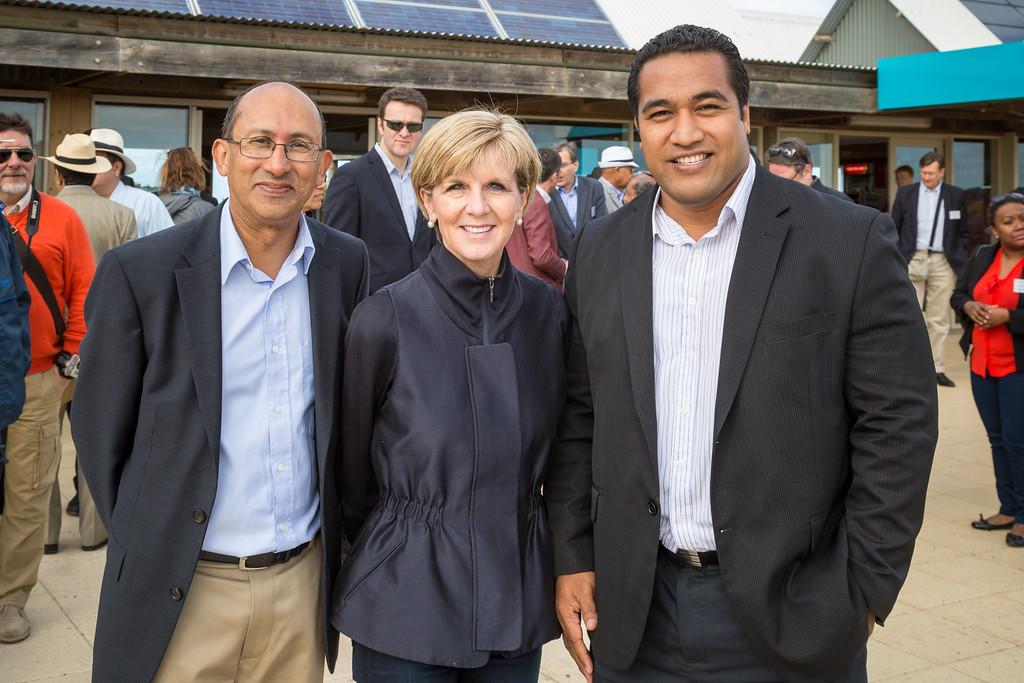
(58, 264)
(791, 158)
(372, 197)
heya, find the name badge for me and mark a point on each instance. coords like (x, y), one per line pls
(1018, 286)
(593, 211)
(954, 215)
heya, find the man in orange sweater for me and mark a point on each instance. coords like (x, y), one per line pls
(55, 246)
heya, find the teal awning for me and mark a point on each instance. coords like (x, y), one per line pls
(980, 74)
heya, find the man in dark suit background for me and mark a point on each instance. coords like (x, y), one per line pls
(749, 424)
(931, 221)
(372, 197)
(577, 199)
(205, 418)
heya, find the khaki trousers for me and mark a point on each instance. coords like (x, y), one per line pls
(934, 281)
(33, 447)
(250, 626)
(90, 528)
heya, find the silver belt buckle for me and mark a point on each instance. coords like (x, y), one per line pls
(245, 568)
(691, 557)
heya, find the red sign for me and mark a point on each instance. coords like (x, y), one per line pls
(856, 169)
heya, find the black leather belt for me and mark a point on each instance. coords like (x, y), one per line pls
(695, 559)
(261, 561)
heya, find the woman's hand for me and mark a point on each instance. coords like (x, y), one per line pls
(996, 316)
(977, 312)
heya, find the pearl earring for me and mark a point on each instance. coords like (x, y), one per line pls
(519, 221)
(430, 224)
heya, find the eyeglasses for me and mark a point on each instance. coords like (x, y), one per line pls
(413, 126)
(26, 154)
(262, 147)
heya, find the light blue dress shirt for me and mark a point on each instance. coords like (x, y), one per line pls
(403, 190)
(267, 487)
(569, 198)
(927, 203)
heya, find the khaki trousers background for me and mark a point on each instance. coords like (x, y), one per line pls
(33, 447)
(934, 280)
(90, 528)
(262, 625)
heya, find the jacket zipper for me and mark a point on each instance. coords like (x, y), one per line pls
(485, 311)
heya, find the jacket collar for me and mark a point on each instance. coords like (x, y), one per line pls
(463, 295)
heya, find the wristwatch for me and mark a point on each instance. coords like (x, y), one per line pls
(67, 364)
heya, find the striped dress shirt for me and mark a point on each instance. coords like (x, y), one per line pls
(691, 282)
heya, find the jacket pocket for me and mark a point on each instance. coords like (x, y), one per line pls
(595, 495)
(801, 327)
(47, 456)
(115, 559)
(370, 554)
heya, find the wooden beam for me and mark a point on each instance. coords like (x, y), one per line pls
(822, 98)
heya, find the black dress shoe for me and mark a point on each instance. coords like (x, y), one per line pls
(943, 381)
(50, 549)
(73, 506)
(1015, 540)
(90, 548)
(982, 524)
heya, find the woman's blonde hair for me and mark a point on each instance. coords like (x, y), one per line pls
(458, 141)
(182, 169)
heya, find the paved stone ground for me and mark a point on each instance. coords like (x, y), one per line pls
(960, 616)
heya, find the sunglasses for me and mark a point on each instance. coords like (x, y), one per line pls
(413, 126)
(26, 154)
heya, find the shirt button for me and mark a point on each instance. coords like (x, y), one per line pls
(176, 593)
(273, 349)
(282, 527)
(198, 516)
(278, 408)
(282, 467)
(690, 354)
(685, 410)
(692, 301)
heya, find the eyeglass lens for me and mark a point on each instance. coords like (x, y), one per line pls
(26, 154)
(413, 126)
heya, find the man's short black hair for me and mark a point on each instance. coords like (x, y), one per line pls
(790, 152)
(406, 95)
(933, 157)
(75, 177)
(686, 39)
(114, 159)
(550, 162)
(905, 169)
(12, 120)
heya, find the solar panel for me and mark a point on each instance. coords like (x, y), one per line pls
(1005, 18)
(329, 12)
(576, 9)
(560, 30)
(408, 17)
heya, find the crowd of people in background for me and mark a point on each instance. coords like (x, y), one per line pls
(465, 258)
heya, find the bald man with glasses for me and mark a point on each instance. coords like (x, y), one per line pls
(372, 197)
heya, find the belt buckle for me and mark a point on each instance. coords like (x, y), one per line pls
(691, 557)
(245, 568)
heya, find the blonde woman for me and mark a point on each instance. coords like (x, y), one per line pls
(454, 381)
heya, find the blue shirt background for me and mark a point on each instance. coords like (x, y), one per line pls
(570, 199)
(403, 190)
(267, 489)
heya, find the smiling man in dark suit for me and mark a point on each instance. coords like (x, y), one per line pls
(372, 197)
(576, 201)
(205, 418)
(749, 423)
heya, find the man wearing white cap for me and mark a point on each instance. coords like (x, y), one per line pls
(109, 225)
(150, 213)
(617, 167)
(58, 266)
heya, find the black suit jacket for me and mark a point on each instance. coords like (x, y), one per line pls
(825, 189)
(590, 204)
(148, 418)
(824, 423)
(954, 232)
(361, 201)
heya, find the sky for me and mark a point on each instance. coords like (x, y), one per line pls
(814, 8)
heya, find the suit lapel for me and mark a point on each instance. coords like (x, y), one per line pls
(636, 248)
(199, 296)
(325, 314)
(380, 172)
(761, 239)
(563, 213)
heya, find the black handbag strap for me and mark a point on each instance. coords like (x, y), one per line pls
(935, 223)
(34, 270)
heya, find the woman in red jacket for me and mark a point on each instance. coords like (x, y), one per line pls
(989, 299)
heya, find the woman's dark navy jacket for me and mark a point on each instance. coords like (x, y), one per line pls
(452, 390)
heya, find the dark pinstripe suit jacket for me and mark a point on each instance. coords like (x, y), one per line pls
(825, 427)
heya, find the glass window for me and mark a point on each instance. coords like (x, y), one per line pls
(148, 132)
(1020, 163)
(970, 163)
(590, 138)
